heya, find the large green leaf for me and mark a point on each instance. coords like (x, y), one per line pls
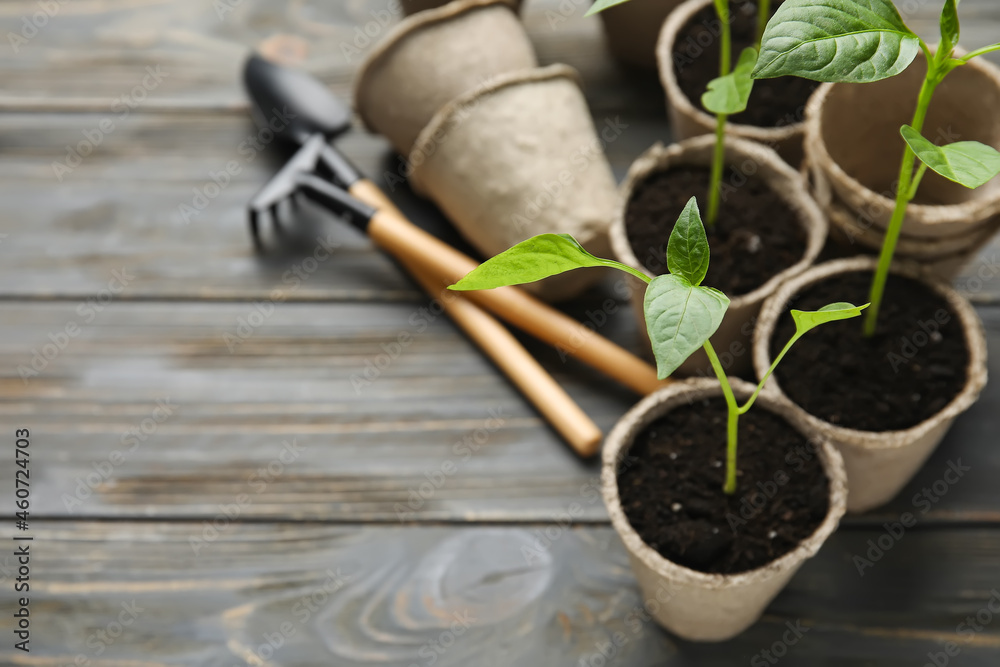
(680, 317)
(729, 94)
(836, 40)
(687, 248)
(539, 257)
(601, 5)
(968, 163)
(806, 320)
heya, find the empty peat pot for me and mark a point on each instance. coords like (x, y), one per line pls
(769, 230)
(853, 149)
(944, 257)
(518, 158)
(886, 401)
(433, 57)
(631, 30)
(687, 54)
(662, 478)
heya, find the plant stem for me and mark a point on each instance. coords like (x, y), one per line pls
(904, 194)
(732, 423)
(719, 157)
(763, 14)
(718, 161)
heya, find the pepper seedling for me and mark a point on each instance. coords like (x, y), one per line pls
(727, 94)
(854, 41)
(681, 314)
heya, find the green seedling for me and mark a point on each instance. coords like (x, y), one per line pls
(681, 313)
(860, 41)
(726, 95)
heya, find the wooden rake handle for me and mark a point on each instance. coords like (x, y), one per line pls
(391, 231)
(533, 381)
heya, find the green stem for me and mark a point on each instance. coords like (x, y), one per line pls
(978, 52)
(763, 14)
(904, 194)
(718, 162)
(746, 406)
(732, 424)
(719, 157)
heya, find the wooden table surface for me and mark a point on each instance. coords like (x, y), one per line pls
(211, 485)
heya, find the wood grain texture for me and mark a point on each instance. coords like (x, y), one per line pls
(386, 403)
(529, 595)
(271, 484)
(90, 53)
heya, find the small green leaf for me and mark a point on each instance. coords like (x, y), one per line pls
(806, 320)
(601, 5)
(836, 40)
(680, 317)
(950, 30)
(968, 163)
(536, 258)
(729, 94)
(687, 248)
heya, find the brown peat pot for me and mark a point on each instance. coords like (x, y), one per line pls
(759, 186)
(687, 54)
(853, 151)
(884, 402)
(712, 605)
(518, 158)
(631, 30)
(431, 58)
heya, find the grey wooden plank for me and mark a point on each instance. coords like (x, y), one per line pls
(388, 431)
(88, 54)
(313, 595)
(122, 207)
(383, 400)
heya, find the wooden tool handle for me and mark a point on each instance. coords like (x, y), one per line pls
(533, 381)
(407, 242)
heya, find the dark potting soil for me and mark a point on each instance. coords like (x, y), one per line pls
(670, 485)
(755, 237)
(912, 367)
(773, 102)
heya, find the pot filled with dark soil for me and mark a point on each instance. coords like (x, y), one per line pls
(414, 6)
(885, 401)
(853, 147)
(688, 57)
(631, 30)
(769, 230)
(431, 58)
(709, 563)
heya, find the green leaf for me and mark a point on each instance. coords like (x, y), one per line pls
(968, 163)
(601, 5)
(950, 30)
(680, 317)
(539, 257)
(729, 94)
(836, 40)
(806, 320)
(687, 248)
